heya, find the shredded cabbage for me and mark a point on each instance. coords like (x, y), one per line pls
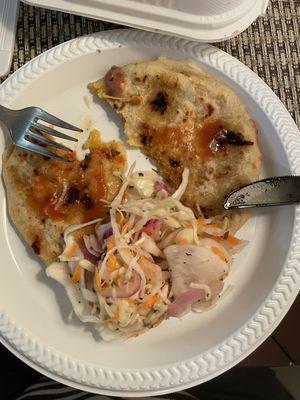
(125, 284)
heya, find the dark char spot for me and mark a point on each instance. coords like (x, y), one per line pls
(83, 165)
(232, 138)
(160, 103)
(210, 110)
(73, 195)
(114, 152)
(145, 139)
(226, 234)
(86, 201)
(173, 162)
(36, 245)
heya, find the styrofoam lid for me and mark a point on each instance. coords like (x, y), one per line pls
(8, 19)
(198, 7)
(203, 20)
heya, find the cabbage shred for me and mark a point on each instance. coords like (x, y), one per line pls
(124, 285)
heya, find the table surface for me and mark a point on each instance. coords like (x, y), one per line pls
(270, 47)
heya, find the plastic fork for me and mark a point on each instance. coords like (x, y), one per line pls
(26, 131)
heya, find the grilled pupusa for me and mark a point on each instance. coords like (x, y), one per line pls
(45, 195)
(181, 116)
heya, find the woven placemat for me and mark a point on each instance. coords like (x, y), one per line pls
(270, 46)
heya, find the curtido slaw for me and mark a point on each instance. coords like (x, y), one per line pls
(152, 259)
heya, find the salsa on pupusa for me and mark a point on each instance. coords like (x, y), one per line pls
(46, 195)
(182, 117)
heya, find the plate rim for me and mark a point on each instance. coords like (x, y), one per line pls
(200, 368)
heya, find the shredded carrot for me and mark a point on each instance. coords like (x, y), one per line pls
(110, 244)
(118, 281)
(219, 253)
(180, 240)
(121, 221)
(119, 218)
(94, 141)
(71, 250)
(112, 263)
(233, 240)
(213, 225)
(149, 231)
(133, 334)
(135, 100)
(151, 301)
(129, 252)
(108, 320)
(97, 282)
(76, 275)
(113, 318)
(201, 221)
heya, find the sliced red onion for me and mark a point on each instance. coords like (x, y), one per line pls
(183, 302)
(154, 224)
(89, 280)
(91, 245)
(104, 275)
(94, 242)
(124, 291)
(103, 232)
(159, 185)
(89, 256)
(168, 240)
(162, 194)
(216, 288)
(211, 230)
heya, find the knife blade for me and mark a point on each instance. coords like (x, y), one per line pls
(276, 191)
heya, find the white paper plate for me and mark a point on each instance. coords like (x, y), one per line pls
(206, 21)
(178, 354)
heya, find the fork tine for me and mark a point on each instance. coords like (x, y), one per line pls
(47, 141)
(51, 131)
(41, 150)
(51, 119)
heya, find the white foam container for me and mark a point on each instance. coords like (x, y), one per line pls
(8, 23)
(202, 20)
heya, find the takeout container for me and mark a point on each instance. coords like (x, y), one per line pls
(202, 20)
